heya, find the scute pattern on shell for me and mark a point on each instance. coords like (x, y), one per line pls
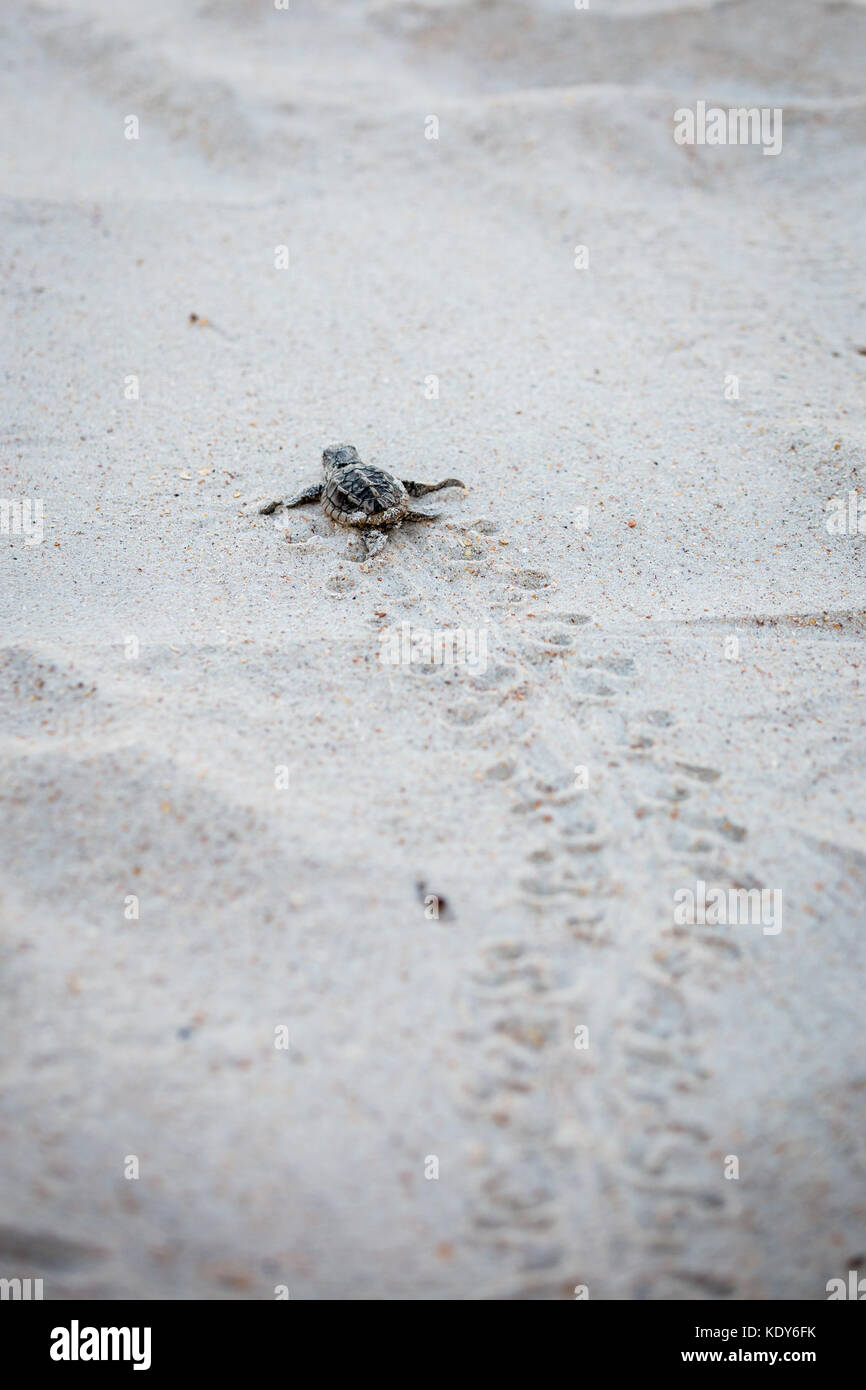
(365, 489)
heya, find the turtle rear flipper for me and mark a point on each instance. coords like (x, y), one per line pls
(374, 540)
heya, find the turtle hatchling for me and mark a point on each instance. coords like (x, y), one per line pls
(354, 493)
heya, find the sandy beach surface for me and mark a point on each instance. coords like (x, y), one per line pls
(227, 821)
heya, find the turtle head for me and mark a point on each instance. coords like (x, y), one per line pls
(339, 456)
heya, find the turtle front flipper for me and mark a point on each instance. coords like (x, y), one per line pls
(421, 489)
(422, 516)
(310, 494)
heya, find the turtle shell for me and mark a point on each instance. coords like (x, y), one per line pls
(381, 499)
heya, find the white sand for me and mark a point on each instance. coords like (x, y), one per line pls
(559, 388)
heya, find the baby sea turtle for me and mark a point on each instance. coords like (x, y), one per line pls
(353, 493)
